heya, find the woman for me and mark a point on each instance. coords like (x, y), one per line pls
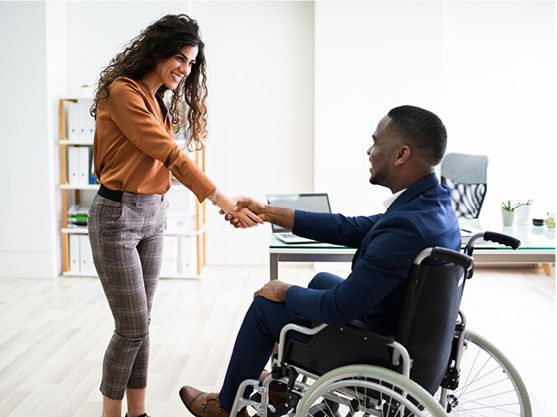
(135, 154)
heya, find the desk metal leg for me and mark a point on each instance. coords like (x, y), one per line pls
(273, 265)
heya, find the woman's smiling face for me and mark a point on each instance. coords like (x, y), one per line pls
(172, 71)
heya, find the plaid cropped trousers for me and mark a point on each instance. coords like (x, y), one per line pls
(127, 241)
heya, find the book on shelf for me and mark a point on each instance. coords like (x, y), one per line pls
(78, 215)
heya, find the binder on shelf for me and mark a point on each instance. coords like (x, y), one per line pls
(73, 165)
(187, 256)
(169, 265)
(73, 122)
(83, 165)
(74, 253)
(85, 256)
(180, 201)
(177, 223)
(88, 122)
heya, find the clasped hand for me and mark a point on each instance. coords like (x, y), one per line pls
(247, 212)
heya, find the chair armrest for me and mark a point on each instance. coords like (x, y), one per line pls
(310, 331)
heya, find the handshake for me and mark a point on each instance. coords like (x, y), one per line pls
(246, 213)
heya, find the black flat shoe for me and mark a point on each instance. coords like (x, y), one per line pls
(142, 415)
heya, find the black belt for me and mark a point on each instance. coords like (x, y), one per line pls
(114, 195)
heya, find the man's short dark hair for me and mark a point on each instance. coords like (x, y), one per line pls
(422, 128)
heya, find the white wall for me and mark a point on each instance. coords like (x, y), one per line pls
(98, 30)
(260, 58)
(499, 79)
(27, 212)
(369, 57)
(280, 75)
(486, 68)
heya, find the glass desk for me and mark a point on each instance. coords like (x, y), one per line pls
(537, 246)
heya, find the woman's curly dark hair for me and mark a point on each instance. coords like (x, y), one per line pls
(163, 39)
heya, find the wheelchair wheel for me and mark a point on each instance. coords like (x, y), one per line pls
(365, 390)
(489, 383)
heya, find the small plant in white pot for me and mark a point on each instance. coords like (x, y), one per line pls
(507, 212)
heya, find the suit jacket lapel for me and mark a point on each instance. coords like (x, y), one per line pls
(427, 182)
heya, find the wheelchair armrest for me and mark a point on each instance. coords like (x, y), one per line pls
(329, 347)
(310, 331)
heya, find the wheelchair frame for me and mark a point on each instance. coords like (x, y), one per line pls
(409, 397)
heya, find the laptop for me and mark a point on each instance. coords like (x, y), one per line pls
(317, 202)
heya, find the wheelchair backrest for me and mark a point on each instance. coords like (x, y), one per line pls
(427, 320)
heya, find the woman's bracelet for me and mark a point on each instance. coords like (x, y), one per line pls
(215, 197)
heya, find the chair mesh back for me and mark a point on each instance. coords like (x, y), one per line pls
(428, 318)
(467, 199)
(466, 176)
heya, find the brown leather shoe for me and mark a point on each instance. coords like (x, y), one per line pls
(205, 404)
(202, 404)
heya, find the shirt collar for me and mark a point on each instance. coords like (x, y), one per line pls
(387, 203)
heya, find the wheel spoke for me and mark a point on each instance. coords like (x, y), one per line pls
(488, 396)
(489, 385)
(498, 409)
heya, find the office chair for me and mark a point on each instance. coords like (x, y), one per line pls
(466, 177)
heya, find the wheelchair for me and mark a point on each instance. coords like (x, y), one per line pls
(432, 366)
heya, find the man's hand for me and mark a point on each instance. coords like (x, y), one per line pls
(244, 204)
(274, 291)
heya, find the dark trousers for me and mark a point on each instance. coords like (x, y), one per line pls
(258, 334)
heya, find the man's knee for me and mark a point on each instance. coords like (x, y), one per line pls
(260, 306)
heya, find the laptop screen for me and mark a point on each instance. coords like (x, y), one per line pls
(318, 202)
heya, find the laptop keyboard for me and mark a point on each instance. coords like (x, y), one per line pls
(288, 235)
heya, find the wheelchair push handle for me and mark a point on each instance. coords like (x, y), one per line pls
(493, 237)
(445, 254)
(502, 239)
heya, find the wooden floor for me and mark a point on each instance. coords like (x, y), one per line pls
(53, 333)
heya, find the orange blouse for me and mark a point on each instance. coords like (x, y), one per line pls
(134, 149)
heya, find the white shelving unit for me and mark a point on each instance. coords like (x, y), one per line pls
(93, 187)
(185, 236)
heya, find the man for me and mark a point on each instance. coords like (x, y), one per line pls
(407, 144)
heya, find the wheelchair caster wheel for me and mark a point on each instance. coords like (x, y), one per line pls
(452, 402)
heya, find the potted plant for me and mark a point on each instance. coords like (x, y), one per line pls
(507, 211)
(523, 211)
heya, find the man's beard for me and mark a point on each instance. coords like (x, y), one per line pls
(376, 178)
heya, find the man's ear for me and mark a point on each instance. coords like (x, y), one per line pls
(403, 155)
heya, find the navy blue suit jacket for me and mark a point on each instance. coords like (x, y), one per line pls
(422, 216)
